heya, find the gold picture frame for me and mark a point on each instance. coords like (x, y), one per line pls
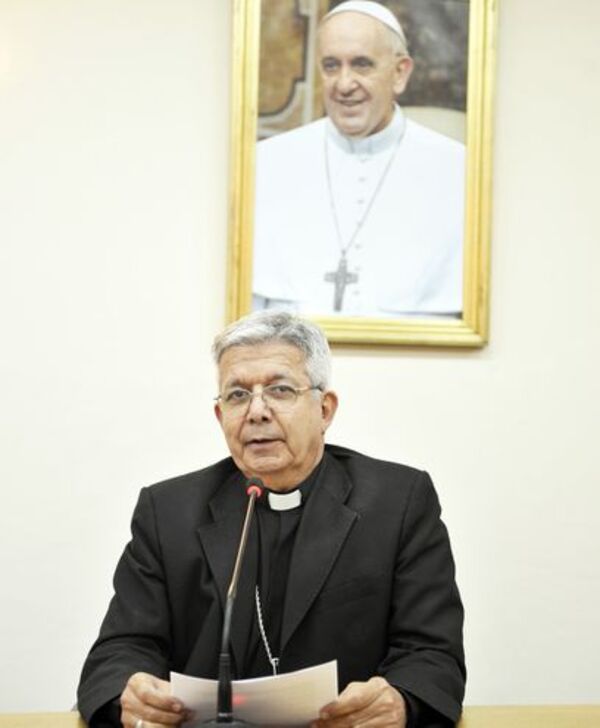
(470, 329)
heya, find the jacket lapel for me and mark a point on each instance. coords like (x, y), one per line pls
(220, 541)
(323, 529)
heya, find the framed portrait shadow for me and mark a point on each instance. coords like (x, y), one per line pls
(286, 249)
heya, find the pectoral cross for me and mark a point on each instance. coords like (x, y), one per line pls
(340, 279)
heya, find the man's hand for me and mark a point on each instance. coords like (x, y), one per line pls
(148, 698)
(372, 703)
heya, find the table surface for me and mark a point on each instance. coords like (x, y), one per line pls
(531, 716)
(484, 716)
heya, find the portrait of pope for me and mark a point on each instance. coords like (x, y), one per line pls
(360, 212)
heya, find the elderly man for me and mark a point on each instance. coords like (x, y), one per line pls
(360, 213)
(347, 559)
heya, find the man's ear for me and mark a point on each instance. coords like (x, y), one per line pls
(329, 405)
(402, 71)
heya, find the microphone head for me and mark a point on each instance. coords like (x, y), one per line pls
(254, 486)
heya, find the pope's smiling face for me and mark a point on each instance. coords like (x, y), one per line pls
(360, 72)
(279, 445)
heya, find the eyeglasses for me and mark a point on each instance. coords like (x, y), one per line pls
(277, 397)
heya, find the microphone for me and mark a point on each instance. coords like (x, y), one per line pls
(254, 490)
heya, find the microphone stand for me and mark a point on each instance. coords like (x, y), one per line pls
(254, 490)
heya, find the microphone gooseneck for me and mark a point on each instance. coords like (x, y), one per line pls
(254, 490)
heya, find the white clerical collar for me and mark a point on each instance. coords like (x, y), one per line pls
(284, 501)
(374, 143)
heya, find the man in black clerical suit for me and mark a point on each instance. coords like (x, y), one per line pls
(347, 559)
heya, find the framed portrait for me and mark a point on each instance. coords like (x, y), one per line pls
(361, 167)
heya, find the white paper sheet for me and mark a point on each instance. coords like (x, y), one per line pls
(292, 699)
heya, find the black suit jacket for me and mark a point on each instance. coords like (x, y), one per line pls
(371, 584)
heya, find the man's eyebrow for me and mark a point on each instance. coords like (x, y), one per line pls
(363, 60)
(228, 384)
(238, 382)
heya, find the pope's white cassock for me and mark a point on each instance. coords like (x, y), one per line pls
(391, 204)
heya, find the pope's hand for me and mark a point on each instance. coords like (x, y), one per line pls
(372, 703)
(149, 699)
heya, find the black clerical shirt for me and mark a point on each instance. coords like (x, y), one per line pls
(276, 537)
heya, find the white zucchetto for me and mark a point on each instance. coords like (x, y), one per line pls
(373, 9)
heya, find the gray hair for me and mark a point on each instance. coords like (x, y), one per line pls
(398, 44)
(263, 327)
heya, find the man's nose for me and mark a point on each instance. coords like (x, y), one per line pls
(258, 409)
(346, 80)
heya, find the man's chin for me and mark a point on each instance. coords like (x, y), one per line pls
(262, 461)
(352, 127)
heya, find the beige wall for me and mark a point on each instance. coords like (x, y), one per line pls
(113, 186)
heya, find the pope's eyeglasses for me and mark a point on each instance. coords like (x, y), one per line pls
(277, 397)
